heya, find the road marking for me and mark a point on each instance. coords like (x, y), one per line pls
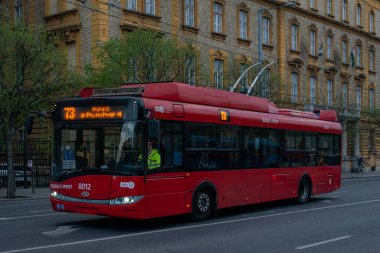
(324, 242)
(29, 216)
(41, 211)
(61, 231)
(186, 227)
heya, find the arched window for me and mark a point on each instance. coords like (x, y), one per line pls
(371, 22)
(372, 58)
(313, 90)
(312, 40)
(329, 45)
(345, 95)
(294, 79)
(359, 53)
(344, 49)
(358, 91)
(329, 7)
(359, 15)
(371, 99)
(344, 10)
(329, 86)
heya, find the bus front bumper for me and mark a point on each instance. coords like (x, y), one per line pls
(93, 207)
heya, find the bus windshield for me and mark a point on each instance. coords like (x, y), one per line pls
(108, 148)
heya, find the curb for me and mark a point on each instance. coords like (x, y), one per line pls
(22, 198)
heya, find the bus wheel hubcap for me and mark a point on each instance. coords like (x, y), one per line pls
(304, 191)
(203, 202)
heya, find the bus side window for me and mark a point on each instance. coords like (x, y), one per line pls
(166, 150)
(177, 150)
(171, 145)
(171, 150)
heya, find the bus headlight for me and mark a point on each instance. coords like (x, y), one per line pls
(125, 200)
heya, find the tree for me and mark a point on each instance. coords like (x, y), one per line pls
(141, 56)
(32, 68)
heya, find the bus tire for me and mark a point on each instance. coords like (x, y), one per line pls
(304, 191)
(203, 205)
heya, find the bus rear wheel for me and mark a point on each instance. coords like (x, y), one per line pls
(304, 191)
(203, 202)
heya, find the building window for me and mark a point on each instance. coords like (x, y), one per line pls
(359, 15)
(329, 42)
(358, 55)
(190, 70)
(294, 37)
(53, 7)
(312, 38)
(150, 7)
(218, 73)
(132, 5)
(344, 10)
(70, 5)
(345, 95)
(243, 24)
(358, 97)
(329, 92)
(329, 7)
(294, 95)
(266, 30)
(371, 22)
(371, 100)
(189, 13)
(18, 11)
(344, 51)
(372, 60)
(313, 90)
(218, 18)
(312, 4)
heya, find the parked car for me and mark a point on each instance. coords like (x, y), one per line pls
(19, 174)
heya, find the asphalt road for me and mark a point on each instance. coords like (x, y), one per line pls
(347, 220)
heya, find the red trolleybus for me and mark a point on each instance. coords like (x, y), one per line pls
(215, 149)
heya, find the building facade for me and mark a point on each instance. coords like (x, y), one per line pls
(328, 51)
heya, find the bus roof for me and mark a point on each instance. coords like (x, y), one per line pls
(179, 92)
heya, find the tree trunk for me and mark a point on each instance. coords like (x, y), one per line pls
(11, 176)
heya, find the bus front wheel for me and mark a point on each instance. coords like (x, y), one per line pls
(304, 191)
(203, 202)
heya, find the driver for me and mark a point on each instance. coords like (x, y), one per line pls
(154, 158)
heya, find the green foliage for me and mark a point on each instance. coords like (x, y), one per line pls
(31, 69)
(137, 57)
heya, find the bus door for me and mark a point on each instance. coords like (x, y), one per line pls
(165, 185)
(285, 179)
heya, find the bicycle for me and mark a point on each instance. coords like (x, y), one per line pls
(361, 168)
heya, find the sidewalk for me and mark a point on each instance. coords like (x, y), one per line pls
(44, 192)
(26, 194)
(350, 175)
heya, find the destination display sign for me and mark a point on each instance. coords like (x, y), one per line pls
(93, 112)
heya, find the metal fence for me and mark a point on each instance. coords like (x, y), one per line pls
(36, 151)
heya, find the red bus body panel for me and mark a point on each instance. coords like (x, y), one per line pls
(172, 193)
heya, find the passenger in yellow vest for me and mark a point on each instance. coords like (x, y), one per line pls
(154, 158)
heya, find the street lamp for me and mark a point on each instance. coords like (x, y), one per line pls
(260, 20)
